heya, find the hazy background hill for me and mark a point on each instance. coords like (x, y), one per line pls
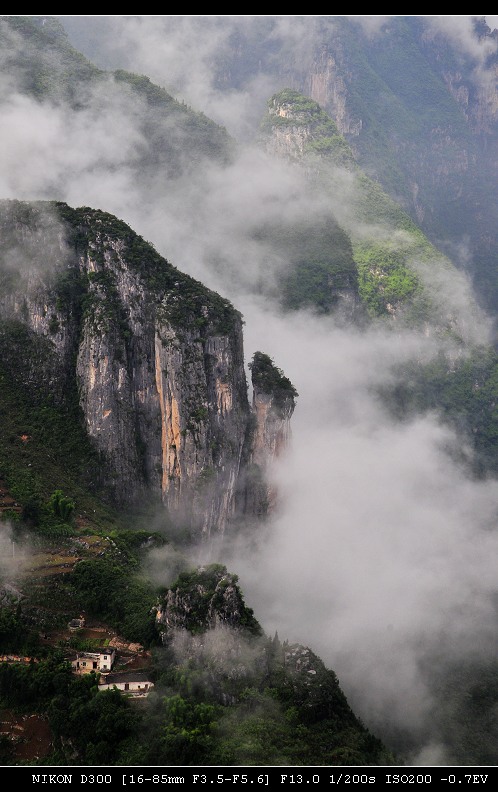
(415, 96)
(295, 165)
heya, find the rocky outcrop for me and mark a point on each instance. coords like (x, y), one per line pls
(299, 127)
(212, 635)
(273, 403)
(205, 599)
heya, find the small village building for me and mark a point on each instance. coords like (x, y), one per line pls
(134, 683)
(100, 660)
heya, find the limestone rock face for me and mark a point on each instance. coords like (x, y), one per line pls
(155, 358)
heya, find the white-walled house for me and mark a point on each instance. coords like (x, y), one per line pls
(134, 683)
(100, 660)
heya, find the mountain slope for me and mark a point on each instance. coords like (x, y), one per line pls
(425, 126)
(44, 67)
(399, 271)
(416, 99)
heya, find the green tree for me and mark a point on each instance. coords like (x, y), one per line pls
(61, 506)
(188, 730)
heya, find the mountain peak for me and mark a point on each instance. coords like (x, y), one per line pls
(297, 126)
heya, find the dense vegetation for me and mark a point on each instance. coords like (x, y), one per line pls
(37, 51)
(43, 446)
(318, 265)
(223, 695)
(267, 378)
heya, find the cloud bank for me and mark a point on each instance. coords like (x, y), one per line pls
(382, 555)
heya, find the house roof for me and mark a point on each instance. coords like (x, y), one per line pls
(126, 676)
(106, 650)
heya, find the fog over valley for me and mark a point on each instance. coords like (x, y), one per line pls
(380, 551)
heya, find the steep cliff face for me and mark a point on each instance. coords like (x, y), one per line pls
(299, 127)
(391, 78)
(469, 74)
(155, 358)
